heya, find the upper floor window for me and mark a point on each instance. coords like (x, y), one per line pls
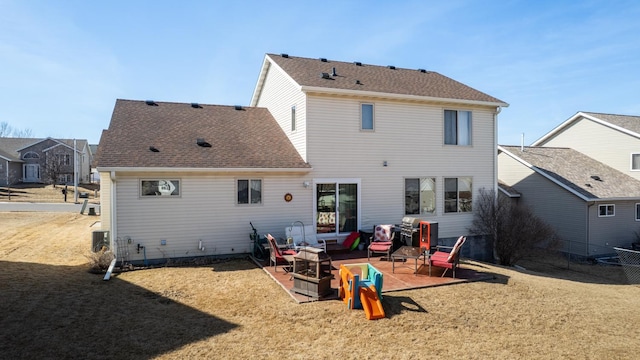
(366, 116)
(293, 118)
(160, 187)
(31, 155)
(635, 161)
(606, 210)
(637, 212)
(419, 196)
(64, 159)
(249, 191)
(458, 194)
(457, 127)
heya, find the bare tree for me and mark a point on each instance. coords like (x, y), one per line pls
(54, 166)
(6, 130)
(515, 229)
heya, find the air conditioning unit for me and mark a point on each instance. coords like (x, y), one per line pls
(99, 239)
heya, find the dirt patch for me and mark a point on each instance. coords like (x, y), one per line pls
(52, 307)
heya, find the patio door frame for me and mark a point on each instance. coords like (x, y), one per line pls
(337, 182)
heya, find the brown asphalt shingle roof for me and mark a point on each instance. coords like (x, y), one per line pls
(380, 79)
(247, 138)
(574, 170)
(631, 123)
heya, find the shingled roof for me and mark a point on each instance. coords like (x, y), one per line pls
(586, 177)
(373, 80)
(629, 122)
(243, 138)
(625, 123)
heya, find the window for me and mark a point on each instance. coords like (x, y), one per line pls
(606, 210)
(31, 155)
(635, 161)
(419, 196)
(366, 114)
(293, 118)
(250, 191)
(162, 187)
(457, 194)
(457, 127)
(637, 212)
(64, 159)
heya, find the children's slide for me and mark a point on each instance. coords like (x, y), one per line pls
(371, 302)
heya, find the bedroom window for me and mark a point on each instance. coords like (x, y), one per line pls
(419, 196)
(637, 212)
(457, 127)
(635, 162)
(458, 194)
(606, 210)
(293, 118)
(160, 187)
(249, 191)
(366, 116)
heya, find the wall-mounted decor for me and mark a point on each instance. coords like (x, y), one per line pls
(288, 197)
(162, 187)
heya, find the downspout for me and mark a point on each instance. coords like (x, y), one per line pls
(112, 210)
(589, 226)
(495, 170)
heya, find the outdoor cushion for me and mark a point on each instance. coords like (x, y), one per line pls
(350, 240)
(355, 244)
(380, 245)
(382, 233)
(456, 249)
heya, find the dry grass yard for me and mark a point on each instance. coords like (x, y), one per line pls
(52, 307)
(47, 193)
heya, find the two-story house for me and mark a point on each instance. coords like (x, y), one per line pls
(46, 160)
(340, 145)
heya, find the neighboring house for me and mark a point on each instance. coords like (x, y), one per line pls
(592, 206)
(342, 146)
(94, 176)
(608, 138)
(30, 160)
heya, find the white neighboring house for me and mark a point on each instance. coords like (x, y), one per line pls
(609, 138)
(340, 145)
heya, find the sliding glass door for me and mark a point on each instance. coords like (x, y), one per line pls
(337, 206)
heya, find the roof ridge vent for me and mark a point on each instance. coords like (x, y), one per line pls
(323, 59)
(151, 103)
(286, 56)
(357, 63)
(391, 67)
(202, 143)
(196, 106)
(422, 70)
(238, 107)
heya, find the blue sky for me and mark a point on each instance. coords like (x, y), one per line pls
(64, 63)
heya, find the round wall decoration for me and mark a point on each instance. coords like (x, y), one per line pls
(288, 197)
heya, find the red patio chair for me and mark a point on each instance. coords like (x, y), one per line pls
(447, 260)
(381, 241)
(283, 257)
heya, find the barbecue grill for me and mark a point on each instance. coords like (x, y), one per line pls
(409, 231)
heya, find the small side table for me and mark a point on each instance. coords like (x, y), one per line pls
(404, 253)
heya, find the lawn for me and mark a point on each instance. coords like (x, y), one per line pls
(52, 307)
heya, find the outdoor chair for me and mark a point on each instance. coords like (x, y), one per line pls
(447, 260)
(279, 257)
(381, 241)
(304, 235)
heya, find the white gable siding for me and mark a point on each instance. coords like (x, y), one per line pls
(206, 211)
(278, 95)
(409, 136)
(565, 212)
(600, 142)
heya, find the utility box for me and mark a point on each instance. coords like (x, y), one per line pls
(429, 234)
(100, 238)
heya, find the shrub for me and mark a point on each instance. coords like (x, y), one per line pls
(99, 261)
(515, 229)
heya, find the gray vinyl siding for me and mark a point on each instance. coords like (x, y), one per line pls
(409, 136)
(206, 211)
(600, 142)
(565, 212)
(607, 232)
(278, 95)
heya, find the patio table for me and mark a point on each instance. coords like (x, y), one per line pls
(404, 253)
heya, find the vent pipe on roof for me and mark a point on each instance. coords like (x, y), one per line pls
(422, 70)
(284, 55)
(202, 143)
(391, 67)
(323, 59)
(333, 72)
(153, 149)
(150, 103)
(238, 107)
(358, 82)
(357, 63)
(196, 106)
